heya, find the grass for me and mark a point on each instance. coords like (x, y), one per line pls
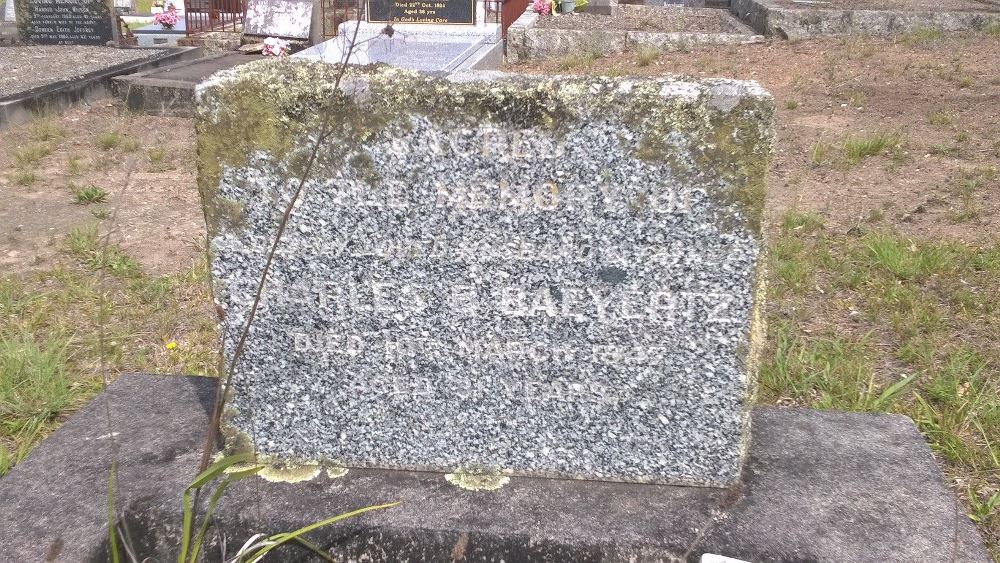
(74, 166)
(791, 105)
(940, 119)
(23, 177)
(577, 60)
(921, 37)
(89, 194)
(885, 323)
(30, 155)
(857, 149)
(647, 55)
(49, 346)
(110, 140)
(44, 129)
(158, 159)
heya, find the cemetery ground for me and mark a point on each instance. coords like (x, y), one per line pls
(884, 222)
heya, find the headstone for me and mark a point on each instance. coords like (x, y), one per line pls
(8, 11)
(64, 22)
(542, 276)
(422, 11)
(279, 18)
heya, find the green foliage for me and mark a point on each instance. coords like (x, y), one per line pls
(23, 177)
(34, 388)
(87, 246)
(89, 194)
(45, 128)
(885, 322)
(921, 36)
(858, 148)
(73, 166)
(223, 474)
(30, 155)
(109, 140)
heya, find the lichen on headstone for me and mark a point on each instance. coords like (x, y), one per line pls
(554, 276)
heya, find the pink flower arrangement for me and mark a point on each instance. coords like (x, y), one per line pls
(168, 18)
(275, 47)
(542, 7)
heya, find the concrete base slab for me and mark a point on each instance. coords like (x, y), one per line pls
(448, 55)
(818, 486)
(170, 90)
(59, 96)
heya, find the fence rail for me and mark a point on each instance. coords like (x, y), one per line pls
(214, 15)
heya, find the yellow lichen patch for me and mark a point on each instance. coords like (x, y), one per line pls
(290, 473)
(477, 481)
(335, 472)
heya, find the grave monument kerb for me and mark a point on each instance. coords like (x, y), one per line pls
(269, 109)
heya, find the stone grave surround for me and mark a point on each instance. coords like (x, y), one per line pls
(533, 275)
(58, 22)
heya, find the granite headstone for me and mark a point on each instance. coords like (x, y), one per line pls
(64, 22)
(541, 276)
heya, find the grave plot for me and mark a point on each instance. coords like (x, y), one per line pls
(796, 20)
(535, 36)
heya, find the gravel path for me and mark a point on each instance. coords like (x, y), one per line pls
(25, 67)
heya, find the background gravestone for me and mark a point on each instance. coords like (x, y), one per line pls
(543, 276)
(64, 22)
(422, 11)
(279, 18)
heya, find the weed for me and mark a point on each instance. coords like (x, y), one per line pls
(820, 152)
(569, 62)
(802, 222)
(940, 118)
(34, 388)
(921, 36)
(23, 177)
(89, 194)
(858, 148)
(856, 99)
(100, 213)
(74, 167)
(31, 155)
(965, 82)
(944, 150)
(791, 104)
(157, 159)
(109, 140)
(903, 258)
(994, 31)
(130, 144)
(647, 55)
(44, 128)
(85, 244)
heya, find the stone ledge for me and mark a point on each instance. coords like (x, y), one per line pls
(819, 486)
(766, 17)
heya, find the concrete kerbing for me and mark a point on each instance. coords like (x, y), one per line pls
(766, 17)
(526, 41)
(819, 486)
(62, 95)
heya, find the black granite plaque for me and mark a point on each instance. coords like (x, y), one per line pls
(422, 11)
(64, 22)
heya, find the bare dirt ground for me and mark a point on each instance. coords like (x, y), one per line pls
(928, 5)
(159, 215)
(939, 96)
